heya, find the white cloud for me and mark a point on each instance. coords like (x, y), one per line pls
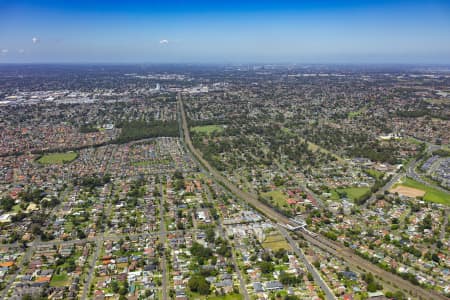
(21, 51)
(164, 42)
(35, 40)
(4, 51)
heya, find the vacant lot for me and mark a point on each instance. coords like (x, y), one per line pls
(211, 297)
(353, 193)
(375, 174)
(57, 158)
(407, 191)
(354, 114)
(207, 129)
(275, 242)
(227, 297)
(59, 280)
(276, 196)
(431, 194)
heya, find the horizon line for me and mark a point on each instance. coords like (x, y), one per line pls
(446, 64)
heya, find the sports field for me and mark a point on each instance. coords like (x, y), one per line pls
(429, 193)
(57, 158)
(208, 129)
(407, 191)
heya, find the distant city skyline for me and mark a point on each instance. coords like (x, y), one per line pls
(225, 32)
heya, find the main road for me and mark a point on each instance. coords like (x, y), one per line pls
(243, 289)
(163, 238)
(23, 262)
(337, 249)
(98, 239)
(411, 172)
(311, 269)
(394, 179)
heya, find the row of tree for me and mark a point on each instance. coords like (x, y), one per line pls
(136, 130)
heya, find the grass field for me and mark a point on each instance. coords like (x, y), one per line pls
(276, 242)
(208, 129)
(59, 280)
(278, 197)
(437, 101)
(57, 158)
(214, 297)
(227, 297)
(352, 192)
(413, 141)
(356, 113)
(16, 208)
(68, 226)
(353, 114)
(431, 194)
(375, 174)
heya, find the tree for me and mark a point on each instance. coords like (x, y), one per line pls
(178, 175)
(280, 253)
(372, 287)
(81, 234)
(288, 279)
(291, 297)
(210, 235)
(36, 229)
(7, 203)
(224, 250)
(368, 277)
(198, 284)
(398, 295)
(316, 264)
(278, 181)
(114, 286)
(136, 130)
(199, 251)
(426, 223)
(266, 267)
(123, 290)
(435, 257)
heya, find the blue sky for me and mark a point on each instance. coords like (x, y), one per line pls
(225, 31)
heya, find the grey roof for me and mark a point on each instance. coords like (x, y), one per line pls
(257, 286)
(274, 285)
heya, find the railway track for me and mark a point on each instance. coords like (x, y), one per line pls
(318, 240)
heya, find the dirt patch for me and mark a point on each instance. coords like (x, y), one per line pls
(408, 191)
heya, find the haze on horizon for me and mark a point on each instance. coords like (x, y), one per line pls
(225, 31)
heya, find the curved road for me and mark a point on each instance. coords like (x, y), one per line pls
(411, 172)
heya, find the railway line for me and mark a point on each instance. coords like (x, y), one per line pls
(318, 240)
